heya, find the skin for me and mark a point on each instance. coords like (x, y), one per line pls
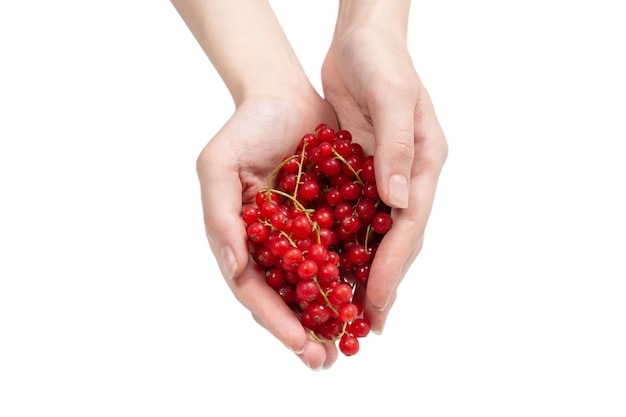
(369, 79)
(371, 89)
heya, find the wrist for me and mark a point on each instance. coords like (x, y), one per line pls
(390, 17)
(277, 79)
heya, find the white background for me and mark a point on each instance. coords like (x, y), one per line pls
(110, 300)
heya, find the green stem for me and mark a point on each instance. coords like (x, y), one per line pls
(295, 191)
(342, 159)
(270, 183)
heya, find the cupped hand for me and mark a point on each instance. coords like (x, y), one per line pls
(233, 166)
(369, 79)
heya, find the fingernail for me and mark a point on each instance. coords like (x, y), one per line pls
(297, 352)
(384, 307)
(398, 191)
(378, 332)
(228, 264)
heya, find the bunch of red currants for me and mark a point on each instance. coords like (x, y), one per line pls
(314, 231)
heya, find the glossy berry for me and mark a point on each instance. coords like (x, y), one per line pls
(349, 345)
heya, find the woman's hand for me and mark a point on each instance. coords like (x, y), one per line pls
(233, 166)
(369, 79)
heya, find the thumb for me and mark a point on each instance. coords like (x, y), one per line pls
(394, 153)
(221, 192)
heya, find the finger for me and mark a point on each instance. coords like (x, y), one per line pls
(401, 245)
(268, 308)
(221, 191)
(313, 354)
(318, 356)
(392, 118)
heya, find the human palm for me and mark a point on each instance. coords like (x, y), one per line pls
(233, 166)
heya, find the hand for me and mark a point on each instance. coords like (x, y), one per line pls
(369, 79)
(232, 167)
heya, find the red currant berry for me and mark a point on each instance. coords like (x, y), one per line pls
(365, 209)
(250, 214)
(324, 217)
(329, 330)
(370, 191)
(358, 255)
(307, 269)
(342, 210)
(327, 274)
(367, 169)
(317, 253)
(264, 258)
(381, 223)
(326, 134)
(257, 232)
(262, 196)
(328, 237)
(351, 191)
(279, 220)
(301, 227)
(360, 327)
(286, 293)
(307, 290)
(343, 147)
(348, 345)
(308, 190)
(288, 183)
(330, 166)
(344, 135)
(340, 294)
(291, 259)
(309, 140)
(362, 272)
(275, 277)
(347, 312)
(351, 224)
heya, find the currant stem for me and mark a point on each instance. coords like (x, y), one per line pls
(325, 296)
(296, 203)
(342, 159)
(295, 191)
(281, 232)
(320, 340)
(270, 183)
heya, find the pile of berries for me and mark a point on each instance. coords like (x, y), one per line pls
(315, 230)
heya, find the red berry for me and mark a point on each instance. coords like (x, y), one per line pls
(344, 135)
(318, 253)
(287, 293)
(330, 166)
(257, 232)
(340, 294)
(360, 327)
(308, 190)
(358, 255)
(367, 169)
(327, 274)
(381, 223)
(348, 312)
(307, 269)
(325, 134)
(275, 277)
(307, 290)
(301, 227)
(349, 345)
(329, 330)
(250, 214)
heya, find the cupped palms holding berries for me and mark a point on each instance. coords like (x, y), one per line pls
(314, 230)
